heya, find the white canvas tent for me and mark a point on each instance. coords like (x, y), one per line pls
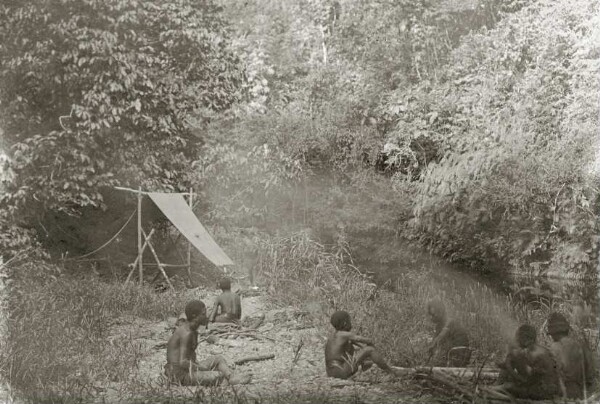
(180, 214)
(176, 209)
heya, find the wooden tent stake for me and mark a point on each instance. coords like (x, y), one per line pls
(135, 263)
(160, 266)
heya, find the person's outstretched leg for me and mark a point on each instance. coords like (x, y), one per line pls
(369, 353)
(219, 364)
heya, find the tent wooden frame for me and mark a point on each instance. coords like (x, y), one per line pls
(143, 242)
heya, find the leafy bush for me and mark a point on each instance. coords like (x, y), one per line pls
(512, 118)
(102, 93)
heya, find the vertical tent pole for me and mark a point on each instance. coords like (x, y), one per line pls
(189, 251)
(140, 250)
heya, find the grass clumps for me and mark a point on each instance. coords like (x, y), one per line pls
(57, 347)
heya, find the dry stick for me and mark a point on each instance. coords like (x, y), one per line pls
(247, 334)
(480, 369)
(444, 380)
(496, 395)
(138, 257)
(160, 267)
(483, 373)
(254, 359)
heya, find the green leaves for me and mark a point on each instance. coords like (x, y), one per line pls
(514, 148)
(91, 89)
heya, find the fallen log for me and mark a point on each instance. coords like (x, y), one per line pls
(257, 358)
(468, 373)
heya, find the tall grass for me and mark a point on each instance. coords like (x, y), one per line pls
(57, 348)
(300, 271)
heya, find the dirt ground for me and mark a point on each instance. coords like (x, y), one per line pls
(298, 365)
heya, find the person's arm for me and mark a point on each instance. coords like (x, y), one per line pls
(438, 339)
(215, 310)
(441, 336)
(358, 339)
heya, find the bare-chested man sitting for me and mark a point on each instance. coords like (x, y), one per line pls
(341, 360)
(574, 360)
(182, 366)
(229, 304)
(529, 370)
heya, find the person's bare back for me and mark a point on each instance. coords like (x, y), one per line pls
(228, 305)
(573, 357)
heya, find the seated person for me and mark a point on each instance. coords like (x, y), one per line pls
(229, 303)
(529, 371)
(573, 358)
(182, 366)
(450, 346)
(341, 359)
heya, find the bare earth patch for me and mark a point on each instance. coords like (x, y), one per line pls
(296, 370)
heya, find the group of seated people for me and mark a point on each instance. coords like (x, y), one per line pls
(535, 372)
(528, 371)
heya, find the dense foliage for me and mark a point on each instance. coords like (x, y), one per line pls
(464, 125)
(487, 111)
(514, 118)
(101, 93)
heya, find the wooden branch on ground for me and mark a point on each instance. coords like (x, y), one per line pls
(247, 334)
(485, 373)
(254, 359)
(442, 379)
(495, 395)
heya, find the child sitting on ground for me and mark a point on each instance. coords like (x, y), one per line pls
(229, 303)
(341, 360)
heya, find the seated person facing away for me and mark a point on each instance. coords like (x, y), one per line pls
(529, 370)
(341, 360)
(182, 366)
(574, 360)
(450, 345)
(229, 303)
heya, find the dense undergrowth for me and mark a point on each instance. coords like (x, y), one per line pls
(301, 271)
